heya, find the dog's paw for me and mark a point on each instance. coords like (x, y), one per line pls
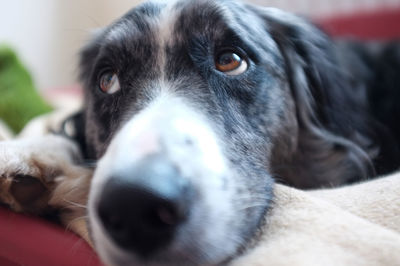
(30, 169)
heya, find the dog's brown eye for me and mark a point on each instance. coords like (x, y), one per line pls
(231, 63)
(109, 83)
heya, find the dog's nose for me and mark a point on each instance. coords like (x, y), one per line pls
(142, 206)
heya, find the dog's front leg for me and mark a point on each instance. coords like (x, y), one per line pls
(42, 174)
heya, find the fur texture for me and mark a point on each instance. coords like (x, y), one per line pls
(306, 111)
(302, 113)
(336, 96)
(352, 225)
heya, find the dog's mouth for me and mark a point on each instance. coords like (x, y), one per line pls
(161, 193)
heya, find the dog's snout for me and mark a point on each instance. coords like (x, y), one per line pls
(142, 206)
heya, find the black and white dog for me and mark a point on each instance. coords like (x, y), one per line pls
(194, 107)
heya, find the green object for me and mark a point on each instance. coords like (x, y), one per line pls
(19, 99)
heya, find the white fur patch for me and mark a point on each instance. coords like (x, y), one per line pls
(165, 24)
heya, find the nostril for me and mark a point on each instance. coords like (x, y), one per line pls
(163, 217)
(166, 216)
(112, 222)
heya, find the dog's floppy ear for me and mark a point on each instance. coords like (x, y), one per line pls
(88, 55)
(332, 140)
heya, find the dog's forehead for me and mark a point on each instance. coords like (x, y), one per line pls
(169, 20)
(163, 35)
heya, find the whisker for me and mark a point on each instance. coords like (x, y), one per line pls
(254, 198)
(75, 204)
(89, 163)
(250, 207)
(68, 226)
(239, 241)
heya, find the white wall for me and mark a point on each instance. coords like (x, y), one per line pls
(320, 8)
(48, 33)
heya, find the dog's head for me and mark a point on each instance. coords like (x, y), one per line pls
(191, 107)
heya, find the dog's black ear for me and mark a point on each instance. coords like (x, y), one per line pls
(88, 56)
(333, 141)
(87, 61)
(312, 65)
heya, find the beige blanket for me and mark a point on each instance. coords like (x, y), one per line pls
(353, 225)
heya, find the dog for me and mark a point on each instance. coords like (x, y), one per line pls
(193, 108)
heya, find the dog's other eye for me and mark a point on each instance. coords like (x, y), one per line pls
(109, 83)
(230, 63)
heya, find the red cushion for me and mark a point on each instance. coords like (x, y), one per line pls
(31, 241)
(381, 24)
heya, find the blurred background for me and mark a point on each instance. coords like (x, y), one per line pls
(47, 34)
